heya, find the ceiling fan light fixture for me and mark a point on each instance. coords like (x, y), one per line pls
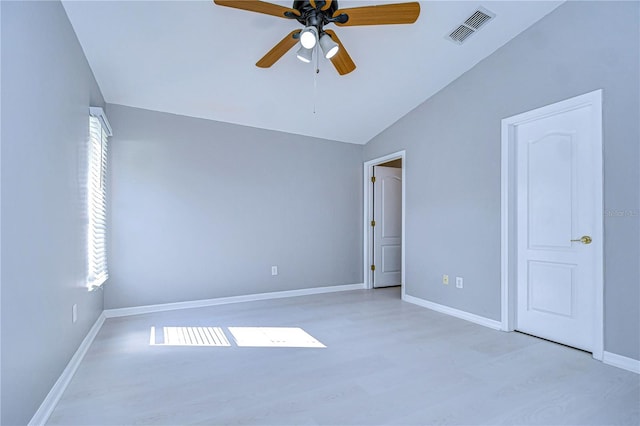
(309, 37)
(304, 54)
(314, 15)
(329, 47)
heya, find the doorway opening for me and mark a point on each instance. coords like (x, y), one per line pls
(384, 221)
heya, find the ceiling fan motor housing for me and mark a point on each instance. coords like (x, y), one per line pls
(315, 16)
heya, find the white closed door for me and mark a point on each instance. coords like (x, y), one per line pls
(557, 188)
(387, 231)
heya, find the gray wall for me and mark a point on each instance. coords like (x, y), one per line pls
(201, 209)
(453, 159)
(47, 88)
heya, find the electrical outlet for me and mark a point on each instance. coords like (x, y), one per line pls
(459, 282)
(74, 313)
(274, 270)
(445, 279)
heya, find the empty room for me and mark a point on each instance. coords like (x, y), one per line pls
(319, 212)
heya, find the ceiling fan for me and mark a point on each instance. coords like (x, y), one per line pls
(314, 15)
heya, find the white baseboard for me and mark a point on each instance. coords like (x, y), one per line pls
(49, 404)
(477, 319)
(137, 310)
(623, 362)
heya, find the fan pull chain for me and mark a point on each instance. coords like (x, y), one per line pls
(316, 70)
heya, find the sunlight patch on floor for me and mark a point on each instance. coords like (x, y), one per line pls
(188, 336)
(281, 337)
(257, 337)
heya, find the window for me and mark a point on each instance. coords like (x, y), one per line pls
(99, 130)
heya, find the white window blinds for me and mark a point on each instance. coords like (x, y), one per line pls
(99, 130)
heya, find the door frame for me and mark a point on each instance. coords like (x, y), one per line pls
(368, 211)
(509, 252)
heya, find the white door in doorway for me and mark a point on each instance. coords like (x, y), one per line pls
(387, 232)
(559, 177)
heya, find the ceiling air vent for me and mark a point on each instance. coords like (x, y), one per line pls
(472, 24)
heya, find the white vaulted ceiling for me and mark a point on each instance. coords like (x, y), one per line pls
(198, 59)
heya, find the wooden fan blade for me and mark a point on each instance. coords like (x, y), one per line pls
(399, 13)
(341, 60)
(258, 6)
(278, 50)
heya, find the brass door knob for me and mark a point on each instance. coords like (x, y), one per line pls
(584, 240)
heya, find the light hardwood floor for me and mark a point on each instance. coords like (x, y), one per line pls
(386, 362)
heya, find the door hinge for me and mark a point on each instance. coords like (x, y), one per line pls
(373, 179)
(373, 223)
(373, 267)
